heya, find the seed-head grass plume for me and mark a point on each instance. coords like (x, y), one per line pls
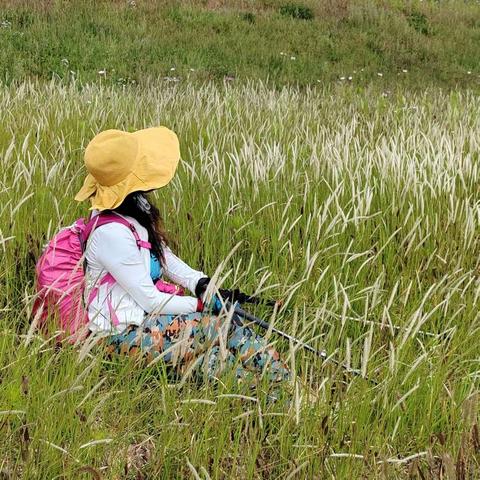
(359, 212)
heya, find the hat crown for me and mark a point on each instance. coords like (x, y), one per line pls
(110, 156)
(120, 163)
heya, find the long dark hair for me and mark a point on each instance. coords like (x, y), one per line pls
(150, 219)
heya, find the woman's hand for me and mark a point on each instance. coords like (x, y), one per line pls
(233, 296)
(201, 287)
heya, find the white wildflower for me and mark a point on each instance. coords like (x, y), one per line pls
(102, 72)
(404, 70)
(350, 78)
(172, 69)
(293, 58)
(342, 78)
(380, 74)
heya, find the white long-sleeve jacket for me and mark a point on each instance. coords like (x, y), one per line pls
(112, 248)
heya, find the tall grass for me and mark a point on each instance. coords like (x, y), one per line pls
(359, 211)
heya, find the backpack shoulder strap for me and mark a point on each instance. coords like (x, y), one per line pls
(104, 219)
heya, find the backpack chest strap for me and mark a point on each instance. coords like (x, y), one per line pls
(140, 243)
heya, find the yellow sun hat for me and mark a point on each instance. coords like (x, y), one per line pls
(120, 163)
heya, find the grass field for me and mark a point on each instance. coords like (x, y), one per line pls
(389, 43)
(360, 211)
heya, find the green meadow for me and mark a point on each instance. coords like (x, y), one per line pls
(391, 43)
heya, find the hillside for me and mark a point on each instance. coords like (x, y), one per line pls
(388, 43)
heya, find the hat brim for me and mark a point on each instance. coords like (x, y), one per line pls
(87, 190)
(157, 160)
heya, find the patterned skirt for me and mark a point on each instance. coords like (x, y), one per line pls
(200, 343)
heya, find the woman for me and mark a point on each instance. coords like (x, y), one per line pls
(127, 309)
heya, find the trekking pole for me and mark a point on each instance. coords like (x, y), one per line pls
(320, 353)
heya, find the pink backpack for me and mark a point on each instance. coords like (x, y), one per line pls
(60, 277)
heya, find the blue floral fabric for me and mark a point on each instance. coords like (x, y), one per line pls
(194, 338)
